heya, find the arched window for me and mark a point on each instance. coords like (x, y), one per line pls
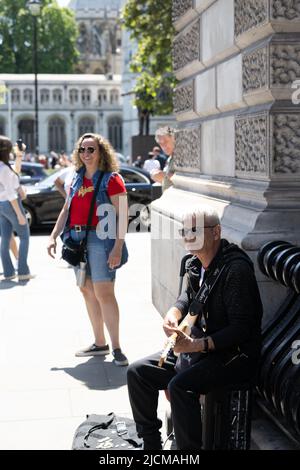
(114, 97)
(86, 124)
(57, 96)
(56, 134)
(73, 96)
(27, 96)
(26, 133)
(45, 95)
(2, 127)
(85, 96)
(15, 96)
(102, 97)
(115, 132)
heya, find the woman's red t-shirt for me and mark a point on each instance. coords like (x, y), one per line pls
(82, 200)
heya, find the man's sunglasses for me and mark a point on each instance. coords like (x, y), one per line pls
(186, 232)
(88, 149)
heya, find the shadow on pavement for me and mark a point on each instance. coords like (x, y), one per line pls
(97, 374)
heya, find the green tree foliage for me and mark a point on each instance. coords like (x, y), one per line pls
(150, 25)
(56, 38)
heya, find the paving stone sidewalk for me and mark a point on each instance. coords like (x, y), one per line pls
(45, 391)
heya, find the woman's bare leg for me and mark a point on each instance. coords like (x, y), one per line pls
(94, 311)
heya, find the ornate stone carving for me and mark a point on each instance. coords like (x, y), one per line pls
(251, 144)
(180, 7)
(285, 63)
(285, 10)
(286, 143)
(248, 14)
(184, 98)
(255, 70)
(186, 47)
(187, 148)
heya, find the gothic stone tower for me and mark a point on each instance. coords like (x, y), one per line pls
(99, 39)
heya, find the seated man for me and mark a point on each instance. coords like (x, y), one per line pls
(226, 335)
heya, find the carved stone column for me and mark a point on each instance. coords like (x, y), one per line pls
(238, 137)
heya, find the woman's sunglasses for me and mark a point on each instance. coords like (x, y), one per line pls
(88, 149)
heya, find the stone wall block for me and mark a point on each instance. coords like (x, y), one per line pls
(217, 147)
(205, 93)
(184, 102)
(186, 51)
(188, 149)
(285, 131)
(183, 12)
(201, 5)
(252, 146)
(229, 85)
(257, 19)
(217, 32)
(269, 71)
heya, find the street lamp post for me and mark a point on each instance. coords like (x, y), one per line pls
(35, 8)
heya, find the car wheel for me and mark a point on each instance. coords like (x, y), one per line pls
(29, 216)
(145, 218)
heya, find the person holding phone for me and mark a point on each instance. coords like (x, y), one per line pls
(12, 216)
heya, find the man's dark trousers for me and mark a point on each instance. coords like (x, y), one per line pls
(146, 378)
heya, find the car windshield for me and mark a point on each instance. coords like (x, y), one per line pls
(49, 182)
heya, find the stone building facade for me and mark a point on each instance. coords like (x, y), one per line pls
(238, 139)
(69, 105)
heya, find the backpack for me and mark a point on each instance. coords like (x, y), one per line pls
(106, 432)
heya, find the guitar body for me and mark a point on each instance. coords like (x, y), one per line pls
(185, 326)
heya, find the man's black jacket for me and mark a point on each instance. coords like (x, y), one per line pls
(233, 310)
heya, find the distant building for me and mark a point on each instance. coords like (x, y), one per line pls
(100, 36)
(69, 105)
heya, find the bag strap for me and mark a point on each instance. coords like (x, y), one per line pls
(206, 288)
(90, 216)
(122, 431)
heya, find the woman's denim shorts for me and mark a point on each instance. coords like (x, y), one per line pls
(97, 267)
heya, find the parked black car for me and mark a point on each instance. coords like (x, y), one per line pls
(43, 202)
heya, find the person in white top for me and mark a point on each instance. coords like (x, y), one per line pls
(12, 216)
(151, 164)
(64, 180)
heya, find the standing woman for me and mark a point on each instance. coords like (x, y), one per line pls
(94, 157)
(12, 216)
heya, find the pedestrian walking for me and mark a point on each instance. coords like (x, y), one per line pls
(151, 163)
(12, 216)
(95, 161)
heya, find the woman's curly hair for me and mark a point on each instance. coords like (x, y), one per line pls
(108, 160)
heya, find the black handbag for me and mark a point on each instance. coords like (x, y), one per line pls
(75, 252)
(106, 432)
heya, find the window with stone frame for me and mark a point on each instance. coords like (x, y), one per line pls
(73, 96)
(57, 96)
(15, 96)
(102, 97)
(115, 132)
(45, 95)
(56, 134)
(2, 127)
(85, 96)
(114, 97)
(86, 125)
(28, 96)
